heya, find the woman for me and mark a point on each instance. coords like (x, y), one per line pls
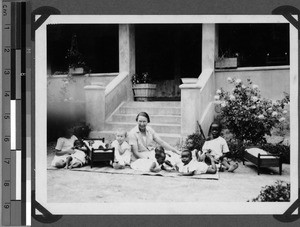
(142, 138)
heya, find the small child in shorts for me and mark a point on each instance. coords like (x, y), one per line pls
(122, 150)
(190, 166)
(217, 147)
(79, 157)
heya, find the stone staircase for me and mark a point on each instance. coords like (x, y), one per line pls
(165, 117)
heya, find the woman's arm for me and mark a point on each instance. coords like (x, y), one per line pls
(166, 145)
(61, 153)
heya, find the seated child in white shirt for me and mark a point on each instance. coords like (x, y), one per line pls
(217, 147)
(122, 150)
(190, 166)
(79, 157)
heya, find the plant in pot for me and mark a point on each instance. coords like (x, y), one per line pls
(75, 59)
(143, 87)
(227, 59)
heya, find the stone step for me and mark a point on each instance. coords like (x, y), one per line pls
(150, 110)
(172, 139)
(130, 118)
(153, 104)
(159, 128)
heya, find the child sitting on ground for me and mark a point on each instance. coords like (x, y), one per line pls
(122, 150)
(190, 166)
(194, 144)
(79, 157)
(217, 147)
(152, 165)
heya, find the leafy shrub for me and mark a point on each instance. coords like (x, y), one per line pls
(284, 150)
(247, 115)
(279, 192)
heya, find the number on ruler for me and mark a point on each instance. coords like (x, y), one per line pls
(6, 184)
(6, 93)
(7, 49)
(7, 72)
(6, 206)
(7, 26)
(7, 161)
(4, 7)
(6, 139)
(6, 117)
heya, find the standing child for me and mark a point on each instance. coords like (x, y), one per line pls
(122, 150)
(79, 157)
(190, 166)
(217, 147)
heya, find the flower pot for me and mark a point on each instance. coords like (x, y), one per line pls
(143, 92)
(224, 63)
(76, 71)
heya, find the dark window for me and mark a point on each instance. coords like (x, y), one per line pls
(98, 44)
(256, 44)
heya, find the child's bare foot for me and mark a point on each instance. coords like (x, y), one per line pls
(233, 167)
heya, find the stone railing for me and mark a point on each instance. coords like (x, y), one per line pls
(199, 98)
(102, 100)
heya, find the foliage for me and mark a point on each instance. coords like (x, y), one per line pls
(282, 149)
(145, 78)
(198, 140)
(279, 192)
(73, 56)
(247, 115)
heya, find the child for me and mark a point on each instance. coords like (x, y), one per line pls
(122, 150)
(218, 148)
(152, 165)
(79, 157)
(63, 148)
(190, 166)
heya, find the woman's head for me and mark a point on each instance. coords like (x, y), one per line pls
(215, 129)
(142, 119)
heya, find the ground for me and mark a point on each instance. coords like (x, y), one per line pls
(92, 187)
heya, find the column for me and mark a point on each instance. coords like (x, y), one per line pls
(209, 46)
(95, 105)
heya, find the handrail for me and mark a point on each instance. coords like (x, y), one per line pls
(116, 92)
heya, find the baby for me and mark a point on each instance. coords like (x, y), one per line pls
(190, 166)
(152, 165)
(122, 150)
(79, 157)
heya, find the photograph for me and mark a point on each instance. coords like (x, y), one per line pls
(166, 114)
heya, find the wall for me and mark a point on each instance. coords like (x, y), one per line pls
(272, 81)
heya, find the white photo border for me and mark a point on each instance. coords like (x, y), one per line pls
(165, 208)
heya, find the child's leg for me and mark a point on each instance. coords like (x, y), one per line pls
(225, 163)
(75, 165)
(68, 161)
(233, 167)
(60, 164)
(117, 165)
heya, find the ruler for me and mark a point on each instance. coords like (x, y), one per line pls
(13, 110)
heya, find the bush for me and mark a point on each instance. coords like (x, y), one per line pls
(279, 192)
(248, 116)
(284, 150)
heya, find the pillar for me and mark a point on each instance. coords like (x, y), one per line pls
(209, 46)
(95, 105)
(127, 48)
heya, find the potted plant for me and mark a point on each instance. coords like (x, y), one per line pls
(227, 60)
(143, 88)
(75, 59)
